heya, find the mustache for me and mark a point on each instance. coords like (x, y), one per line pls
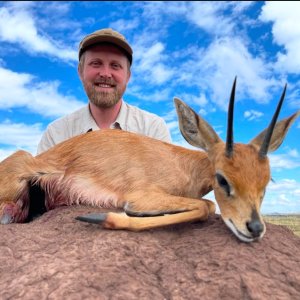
(105, 80)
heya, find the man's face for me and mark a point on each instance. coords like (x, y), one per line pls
(104, 74)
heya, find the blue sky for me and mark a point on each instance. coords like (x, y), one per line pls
(191, 50)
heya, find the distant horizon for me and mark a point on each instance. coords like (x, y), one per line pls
(190, 50)
(282, 214)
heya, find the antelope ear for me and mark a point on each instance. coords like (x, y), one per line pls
(280, 130)
(194, 129)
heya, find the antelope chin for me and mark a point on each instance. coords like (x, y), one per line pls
(244, 237)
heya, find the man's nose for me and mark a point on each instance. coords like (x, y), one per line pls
(105, 71)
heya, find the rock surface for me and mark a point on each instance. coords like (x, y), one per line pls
(57, 257)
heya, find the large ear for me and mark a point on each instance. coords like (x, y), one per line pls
(194, 129)
(279, 133)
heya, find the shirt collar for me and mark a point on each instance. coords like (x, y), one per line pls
(90, 123)
(122, 116)
(120, 122)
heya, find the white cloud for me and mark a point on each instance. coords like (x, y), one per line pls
(193, 100)
(159, 95)
(285, 30)
(123, 25)
(252, 114)
(209, 16)
(150, 63)
(155, 12)
(290, 160)
(22, 90)
(173, 126)
(211, 69)
(294, 153)
(18, 26)
(229, 57)
(15, 136)
(283, 196)
(206, 15)
(284, 184)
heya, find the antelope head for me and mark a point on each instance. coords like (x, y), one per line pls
(242, 171)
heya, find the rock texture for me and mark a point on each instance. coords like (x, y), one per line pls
(57, 257)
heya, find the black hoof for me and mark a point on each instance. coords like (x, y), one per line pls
(92, 218)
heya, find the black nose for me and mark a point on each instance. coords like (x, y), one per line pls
(255, 227)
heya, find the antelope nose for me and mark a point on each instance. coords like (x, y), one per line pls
(255, 227)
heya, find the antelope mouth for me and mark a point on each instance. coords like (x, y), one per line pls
(239, 234)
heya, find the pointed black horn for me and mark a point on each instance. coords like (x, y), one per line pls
(229, 138)
(265, 144)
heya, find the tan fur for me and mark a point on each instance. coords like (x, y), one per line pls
(248, 176)
(143, 176)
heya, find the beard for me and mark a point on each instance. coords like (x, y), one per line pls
(103, 99)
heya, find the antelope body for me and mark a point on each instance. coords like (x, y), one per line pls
(156, 183)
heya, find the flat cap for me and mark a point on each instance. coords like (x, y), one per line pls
(106, 35)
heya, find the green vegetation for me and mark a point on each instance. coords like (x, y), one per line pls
(290, 221)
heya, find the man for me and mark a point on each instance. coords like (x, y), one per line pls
(105, 59)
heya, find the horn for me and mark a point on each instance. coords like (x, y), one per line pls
(229, 138)
(265, 144)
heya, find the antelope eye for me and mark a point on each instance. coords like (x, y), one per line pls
(223, 184)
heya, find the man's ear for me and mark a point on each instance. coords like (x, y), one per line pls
(128, 76)
(79, 71)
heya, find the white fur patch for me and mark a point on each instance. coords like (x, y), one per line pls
(237, 233)
(76, 190)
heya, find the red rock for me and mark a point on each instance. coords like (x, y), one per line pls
(57, 257)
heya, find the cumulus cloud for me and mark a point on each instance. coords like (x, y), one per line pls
(286, 161)
(22, 136)
(252, 114)
(285, 17)
(211, 68)
(229, 57)
(23, 90)
(209, 16)
(18, 26)
(159, 95)
(283, 196)
(122, 25)
(150, 63)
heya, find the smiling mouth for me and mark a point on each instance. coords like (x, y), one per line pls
(104, 85)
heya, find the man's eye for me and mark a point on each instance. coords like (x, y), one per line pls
(95, 63)
(116, 66)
